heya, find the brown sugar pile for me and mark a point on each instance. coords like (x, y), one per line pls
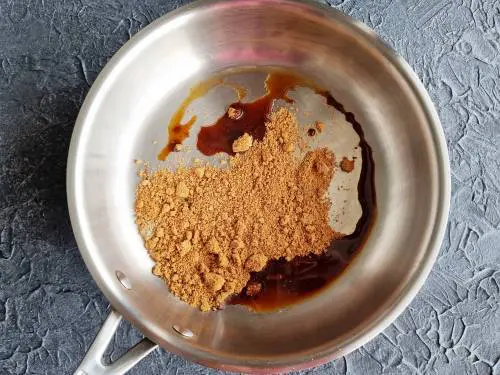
(207, 228)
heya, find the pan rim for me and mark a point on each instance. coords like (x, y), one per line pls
(405, 296)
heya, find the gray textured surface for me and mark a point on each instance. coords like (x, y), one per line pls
(50, 308)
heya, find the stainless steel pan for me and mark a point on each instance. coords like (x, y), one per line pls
(129, 106)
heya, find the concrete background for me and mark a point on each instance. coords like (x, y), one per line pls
(51, 309)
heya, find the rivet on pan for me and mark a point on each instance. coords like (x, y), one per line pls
(183, 331)
(123, 280)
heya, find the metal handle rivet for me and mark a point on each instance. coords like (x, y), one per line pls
(122, 278)
(183, 331)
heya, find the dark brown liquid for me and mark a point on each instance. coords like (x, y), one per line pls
(284, 282)
(220, 136)
(177, 131)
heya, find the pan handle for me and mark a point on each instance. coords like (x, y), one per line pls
(93, 364)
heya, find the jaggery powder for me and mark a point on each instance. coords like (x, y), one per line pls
(208, 228)
(347, 165)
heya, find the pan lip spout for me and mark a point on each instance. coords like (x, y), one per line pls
(316, 356)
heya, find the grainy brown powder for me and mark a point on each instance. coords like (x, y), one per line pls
(207, 228)
(347, 165)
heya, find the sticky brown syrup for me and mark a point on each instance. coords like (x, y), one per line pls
(178, 131)
(283, 282)
(220, 136)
